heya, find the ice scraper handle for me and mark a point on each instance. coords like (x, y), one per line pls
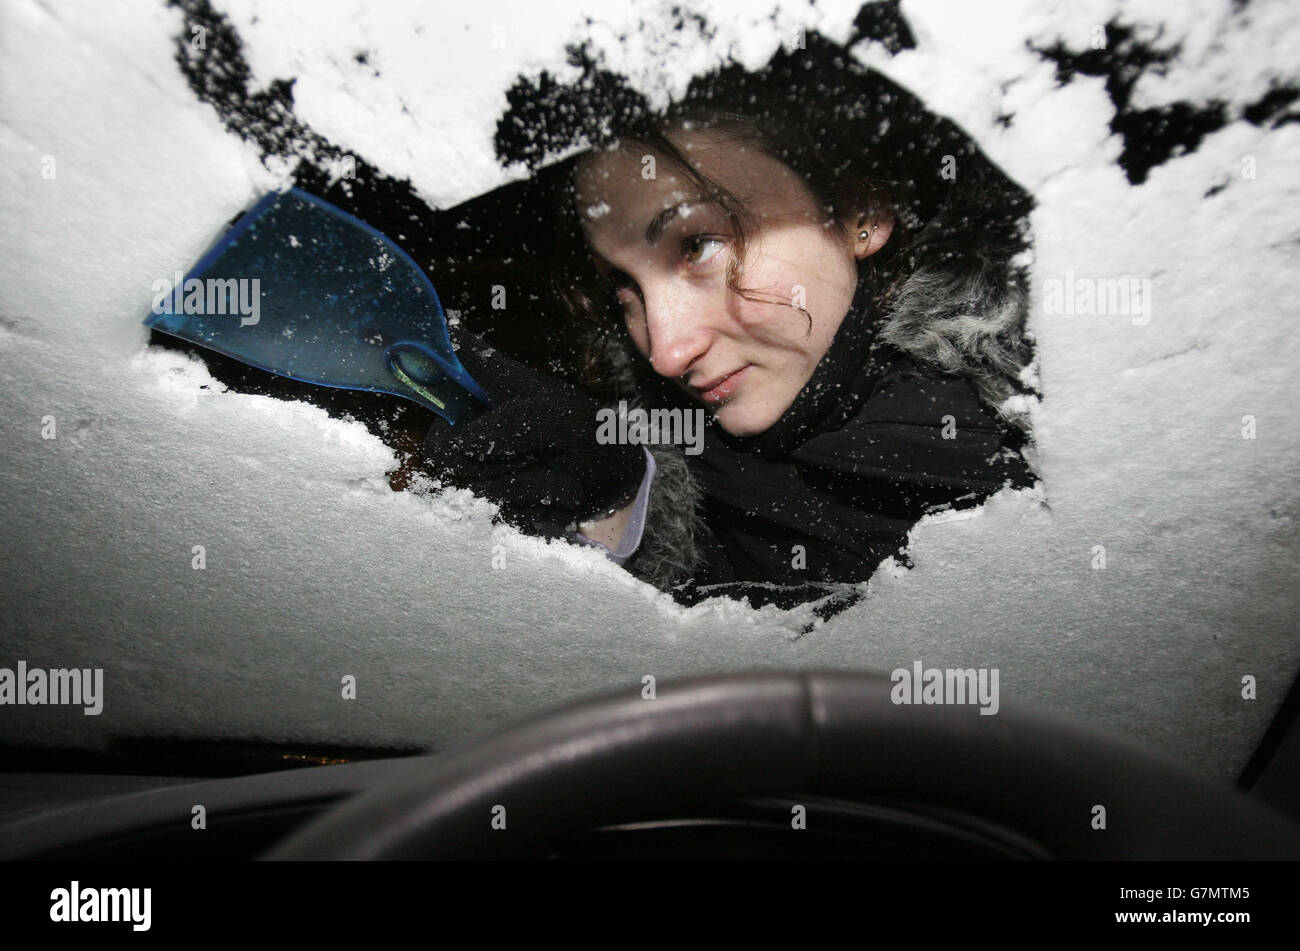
(433, 380)
(536, 452)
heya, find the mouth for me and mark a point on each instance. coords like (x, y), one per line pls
(722, 388)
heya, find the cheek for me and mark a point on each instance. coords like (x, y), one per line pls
(636, 329)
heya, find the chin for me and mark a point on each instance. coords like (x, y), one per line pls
(736, 421)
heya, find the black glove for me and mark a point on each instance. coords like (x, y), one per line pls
(535, 453)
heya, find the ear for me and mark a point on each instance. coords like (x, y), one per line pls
(871, 233)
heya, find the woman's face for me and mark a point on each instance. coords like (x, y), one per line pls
(668, 247)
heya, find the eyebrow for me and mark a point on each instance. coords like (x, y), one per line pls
(655, 229)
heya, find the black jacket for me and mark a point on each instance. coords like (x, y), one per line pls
(845, 500)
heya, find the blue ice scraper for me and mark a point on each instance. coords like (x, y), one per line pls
(302, 289)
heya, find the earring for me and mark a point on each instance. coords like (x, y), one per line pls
(866, 235)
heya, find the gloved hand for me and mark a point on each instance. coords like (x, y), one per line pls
(535, 453)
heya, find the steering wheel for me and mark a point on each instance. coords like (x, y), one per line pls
(1076, 791)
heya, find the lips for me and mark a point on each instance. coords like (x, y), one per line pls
(722, 388)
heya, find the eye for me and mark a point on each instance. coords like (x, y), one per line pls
(701, 248)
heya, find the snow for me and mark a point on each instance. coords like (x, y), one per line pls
(315, 569)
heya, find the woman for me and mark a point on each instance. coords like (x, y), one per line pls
(848, 315)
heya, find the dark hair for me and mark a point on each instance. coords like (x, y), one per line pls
(950, 285)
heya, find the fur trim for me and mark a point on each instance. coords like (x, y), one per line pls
(670, 546)
(970, 325)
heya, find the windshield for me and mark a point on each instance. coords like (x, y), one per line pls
(1069, 469)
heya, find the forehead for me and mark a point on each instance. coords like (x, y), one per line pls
(616, 198)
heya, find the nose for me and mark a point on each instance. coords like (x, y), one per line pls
(678, 328)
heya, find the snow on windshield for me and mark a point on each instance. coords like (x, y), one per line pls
(229, 559)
